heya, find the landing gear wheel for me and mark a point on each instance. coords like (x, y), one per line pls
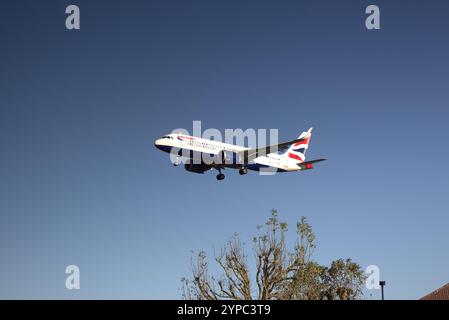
(243, 171)
(220, 176)
(177, 162)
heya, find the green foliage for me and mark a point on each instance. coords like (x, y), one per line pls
(279, 274)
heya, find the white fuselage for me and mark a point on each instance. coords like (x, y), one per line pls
(196, 144)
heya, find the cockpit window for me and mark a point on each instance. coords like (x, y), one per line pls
(166, 137)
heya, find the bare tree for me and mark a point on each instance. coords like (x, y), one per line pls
(279, 274)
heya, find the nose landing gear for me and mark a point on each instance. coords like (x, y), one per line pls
(243, 171)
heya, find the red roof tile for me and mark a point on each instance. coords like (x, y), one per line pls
(439, 294)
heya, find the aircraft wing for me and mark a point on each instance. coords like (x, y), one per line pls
(251, 154)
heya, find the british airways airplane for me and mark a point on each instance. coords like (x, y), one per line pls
(201, 155)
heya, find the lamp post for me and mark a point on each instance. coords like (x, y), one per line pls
(382, 284)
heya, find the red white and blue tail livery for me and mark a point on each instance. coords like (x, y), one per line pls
(297, 151)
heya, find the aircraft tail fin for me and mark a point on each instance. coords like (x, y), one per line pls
(297, 151)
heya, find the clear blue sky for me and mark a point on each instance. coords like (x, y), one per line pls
(81, 182)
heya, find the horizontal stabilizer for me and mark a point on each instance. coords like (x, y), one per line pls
(308, 164)
(313, 161)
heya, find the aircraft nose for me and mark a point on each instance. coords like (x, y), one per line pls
(157, 142)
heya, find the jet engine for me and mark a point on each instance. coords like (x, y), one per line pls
(197, 168)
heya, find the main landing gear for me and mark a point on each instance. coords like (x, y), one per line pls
(220, 176)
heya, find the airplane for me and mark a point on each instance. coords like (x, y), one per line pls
(202, 155)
